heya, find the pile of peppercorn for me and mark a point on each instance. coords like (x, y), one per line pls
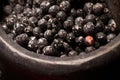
(59, 27)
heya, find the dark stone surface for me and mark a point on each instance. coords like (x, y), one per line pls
(109, 72)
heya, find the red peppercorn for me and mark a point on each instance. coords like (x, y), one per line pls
(89, 40)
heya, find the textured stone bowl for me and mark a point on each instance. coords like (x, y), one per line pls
(25, 61)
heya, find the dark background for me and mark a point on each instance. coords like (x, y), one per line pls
(110, 71)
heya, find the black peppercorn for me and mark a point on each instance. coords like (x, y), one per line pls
(18, 8)
(36, 31)
(89, 49)
(8, 9)
(112, 25)
(61, 15)
(68, 25)
(110, 37)
(99, 26)
(88, 7)
(66, 47)
(32, 20)
(80, 41)
(98, 8)
(32, 44)
(57, 44)
(22, 39)
(62, 34)
(28, 30)
(45, 5)
(49, 50)
(80, 13)
(70, 37)
(65, 5)
(19, 28)
(79, 21)
(72, 53)
(77, 30)
(53, 10)
(42, 23)
(5, 27)
(48, 34)
(90, 18)
(42, 42)
(89, 28)
(101, 37)
(73, 12)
